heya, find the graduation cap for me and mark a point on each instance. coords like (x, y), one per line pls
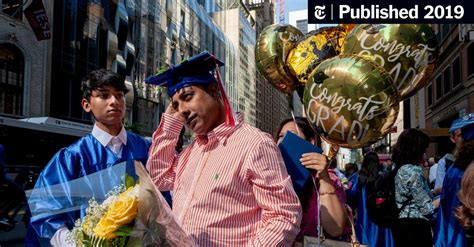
(466, 124)
(196, 70)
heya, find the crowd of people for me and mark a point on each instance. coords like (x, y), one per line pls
(230, 186)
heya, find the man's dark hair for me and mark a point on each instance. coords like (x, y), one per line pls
(101, 78)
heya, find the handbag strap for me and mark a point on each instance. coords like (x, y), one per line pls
(354, 241)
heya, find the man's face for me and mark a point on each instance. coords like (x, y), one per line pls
(201, 111)
(456, 137)
(107, 105)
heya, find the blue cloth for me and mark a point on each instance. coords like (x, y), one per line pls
(292, 147)
(196, 70)
(84, 157)
(448, 230)
(367, 231)
(462, 122)
(441, 171)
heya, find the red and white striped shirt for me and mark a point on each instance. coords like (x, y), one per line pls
(231, 187)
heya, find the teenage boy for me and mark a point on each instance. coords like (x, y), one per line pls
(108, 144)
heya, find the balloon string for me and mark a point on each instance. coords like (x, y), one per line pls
(296, 124)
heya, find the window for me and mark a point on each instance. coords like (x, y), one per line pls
(13, 8)
(447, 80)
(430, 95)
(439, 87)
(302, 25)
(11, 79)
(470, 61)
(183, 19)
(456, 72)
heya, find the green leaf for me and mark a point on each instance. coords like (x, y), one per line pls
(124, 231)
(129, 182)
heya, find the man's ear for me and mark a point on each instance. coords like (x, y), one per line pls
(86, 105)
(213, 90)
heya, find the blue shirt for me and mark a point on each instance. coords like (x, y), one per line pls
(441, 170)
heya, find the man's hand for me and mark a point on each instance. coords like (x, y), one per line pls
(436, 203)
(173, 112)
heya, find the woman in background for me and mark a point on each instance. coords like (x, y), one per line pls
(413, 195)
(331, 192)
(367, 231)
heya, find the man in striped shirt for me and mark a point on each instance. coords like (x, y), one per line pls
(231, 187)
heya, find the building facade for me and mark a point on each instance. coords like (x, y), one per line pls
(450, 92)
(24, 80)
(272, 105)
(241, 35)
(299, 19)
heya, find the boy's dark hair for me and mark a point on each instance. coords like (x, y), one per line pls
(101, 78)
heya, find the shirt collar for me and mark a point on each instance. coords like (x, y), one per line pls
(221, 132)
(104, 138)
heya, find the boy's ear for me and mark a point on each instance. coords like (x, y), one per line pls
(86, 105)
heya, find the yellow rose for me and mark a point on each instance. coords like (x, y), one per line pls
(121, 212)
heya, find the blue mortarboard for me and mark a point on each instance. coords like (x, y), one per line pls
(292, 147)
(466, 124)
(197, 70)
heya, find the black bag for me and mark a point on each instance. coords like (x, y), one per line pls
(381, 206)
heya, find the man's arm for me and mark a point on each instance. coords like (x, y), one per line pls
(162, 160)
(281, 209)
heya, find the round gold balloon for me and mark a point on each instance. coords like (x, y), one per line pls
(406, 51)
(351, 100)
(273, 46)
(316, 46)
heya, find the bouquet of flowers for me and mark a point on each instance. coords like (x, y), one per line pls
(109, 223)
(114, 211)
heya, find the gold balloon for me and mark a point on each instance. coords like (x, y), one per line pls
(316, 46)
(406, 51)
(351, 100)
(347, 27)
(273, 46)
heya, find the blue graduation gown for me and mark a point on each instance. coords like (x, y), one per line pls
(448, 230)
(84, 157)
(367, 231)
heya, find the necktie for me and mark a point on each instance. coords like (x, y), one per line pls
(115, 145)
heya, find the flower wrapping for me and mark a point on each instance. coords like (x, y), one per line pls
(111, 210)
